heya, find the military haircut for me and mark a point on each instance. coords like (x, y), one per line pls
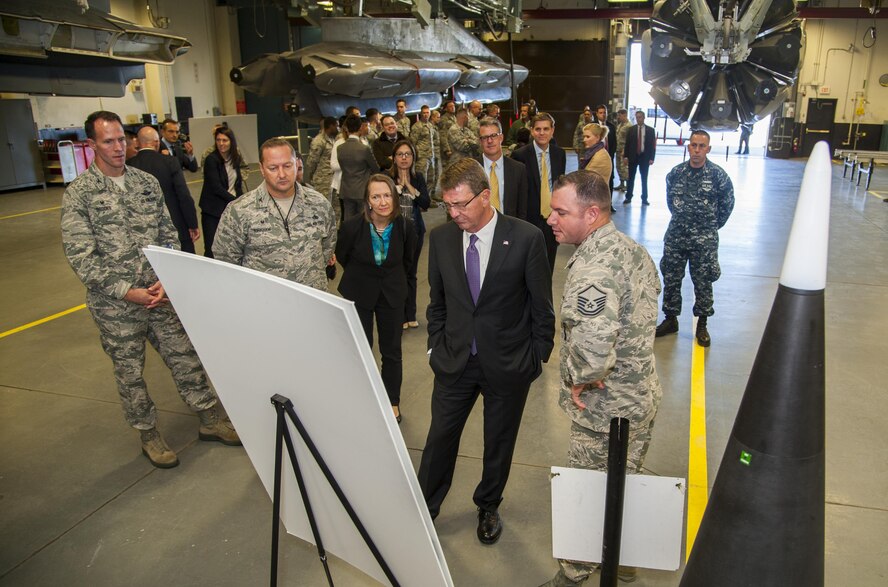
(399, 100)
(424, 107)
(467, 172)
(600, 106)
(596, 129)
(275, 142)
(541, 117)
(396, 206)
(591, 188)
(462, 110)
(387, 116)
(90, 125)
(489, 121)
(700, 131)
(353, 124)
(622, 111)
(329, 122)
(371, 112)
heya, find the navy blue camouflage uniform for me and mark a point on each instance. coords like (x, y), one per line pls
(701, 201)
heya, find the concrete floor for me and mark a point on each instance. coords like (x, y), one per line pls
(79, 505)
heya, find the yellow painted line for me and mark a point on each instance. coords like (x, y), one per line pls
(42, 320)
(698, 485)
(880, 195)
(31, 212)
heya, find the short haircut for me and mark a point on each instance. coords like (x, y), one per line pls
(540, 117)
(622, 111)
(700, 131)
(371, 112)
(596, 130)
(353, 124)
(424, 107)
(90, 125)
(592, 189)
(329, 121)
(467, 172)
(382, 178)
(639, 111)
(488, 121)
(167, 121)
(462, 111)
(274, 143)
(387, 116)
(352, 110)
(399, 100)
(600, 106)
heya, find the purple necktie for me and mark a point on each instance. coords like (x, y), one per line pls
(473, 275)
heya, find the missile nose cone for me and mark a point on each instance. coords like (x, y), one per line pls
(804, 265)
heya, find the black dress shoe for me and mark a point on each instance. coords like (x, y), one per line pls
(490, 526)
(645, 203)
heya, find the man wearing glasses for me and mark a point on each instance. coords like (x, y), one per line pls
(491, 326)
(508, 178)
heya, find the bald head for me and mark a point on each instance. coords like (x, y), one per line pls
(148, 138)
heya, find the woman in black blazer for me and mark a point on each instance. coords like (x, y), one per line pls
(375, 250)
(222, 183)
(414, 195)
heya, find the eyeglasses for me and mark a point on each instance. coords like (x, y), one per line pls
(460, 206)
(404, 154)
(489, 137)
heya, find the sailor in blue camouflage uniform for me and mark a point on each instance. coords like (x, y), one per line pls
(109, 214)
(700, 197)
(280, 228)
(608, 318)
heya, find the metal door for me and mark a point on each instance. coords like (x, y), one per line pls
(818, 124)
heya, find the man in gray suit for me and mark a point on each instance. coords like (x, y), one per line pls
(358, 164)
(508, 178)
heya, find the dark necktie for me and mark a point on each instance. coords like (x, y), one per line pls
(473, 275)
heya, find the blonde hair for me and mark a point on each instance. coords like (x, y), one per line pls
(597, 130)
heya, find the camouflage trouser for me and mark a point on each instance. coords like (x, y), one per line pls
(588, 450)
(622, 164)
(429, 170)
(701, 253)
(124, 328)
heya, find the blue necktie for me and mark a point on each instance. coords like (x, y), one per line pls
(473, 275)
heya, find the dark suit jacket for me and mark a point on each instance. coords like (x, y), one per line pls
(383, 148)
(214, 195)
(172, 183)
(527, 155)
(514, 185)
(513, 323)
(630, 149)
(358, 164)
(181, 156)
(362, 280)
(611, 139)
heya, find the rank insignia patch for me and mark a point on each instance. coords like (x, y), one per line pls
(590, 301)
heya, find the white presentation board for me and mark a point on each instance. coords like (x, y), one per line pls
(259, 335)
(246, 131)
(653, 510)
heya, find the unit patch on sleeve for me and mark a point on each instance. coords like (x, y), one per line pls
(590, 301)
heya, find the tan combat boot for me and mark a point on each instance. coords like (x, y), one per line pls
(155, 448)
(215, 426)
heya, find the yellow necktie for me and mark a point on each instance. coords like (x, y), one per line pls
(494, 186)
(545, 190)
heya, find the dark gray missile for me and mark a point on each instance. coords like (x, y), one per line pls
(764, 524)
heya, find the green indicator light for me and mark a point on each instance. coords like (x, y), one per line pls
(745, 457)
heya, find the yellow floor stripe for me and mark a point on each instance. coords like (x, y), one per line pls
(42, 320)
(698, 485)
(31, 212)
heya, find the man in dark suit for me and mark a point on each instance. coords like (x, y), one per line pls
(357, 164)
(172, 182)
(491, 325)
(611, 140)
(385, 143)
(544, 162)
(508, 178)
(639, 151)
(182, 151)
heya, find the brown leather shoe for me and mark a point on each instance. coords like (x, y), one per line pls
(156, 450)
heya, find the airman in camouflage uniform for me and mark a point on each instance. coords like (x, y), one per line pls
(317, 171)
(448, 120)
(426, 139)
(608, 317)
(109, 213)
(295, 240)
(401, 118)
(463, 141)
(622, 127)
(474, 110)
(700, 197)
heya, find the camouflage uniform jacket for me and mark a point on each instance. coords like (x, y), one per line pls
(700, 200)
(425, 138)
(317, 167)
(403, 125)
(104, 230)
(463, 142)
(622, 127)
(512, 135)
(447, 121)
(578, 136)
(608, 320)
(252, 233)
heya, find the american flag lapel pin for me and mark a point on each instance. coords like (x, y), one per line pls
(506, 243)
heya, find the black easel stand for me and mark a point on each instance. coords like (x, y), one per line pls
(618, 447)
(283, 405)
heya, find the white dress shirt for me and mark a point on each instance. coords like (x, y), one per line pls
(485, 240)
